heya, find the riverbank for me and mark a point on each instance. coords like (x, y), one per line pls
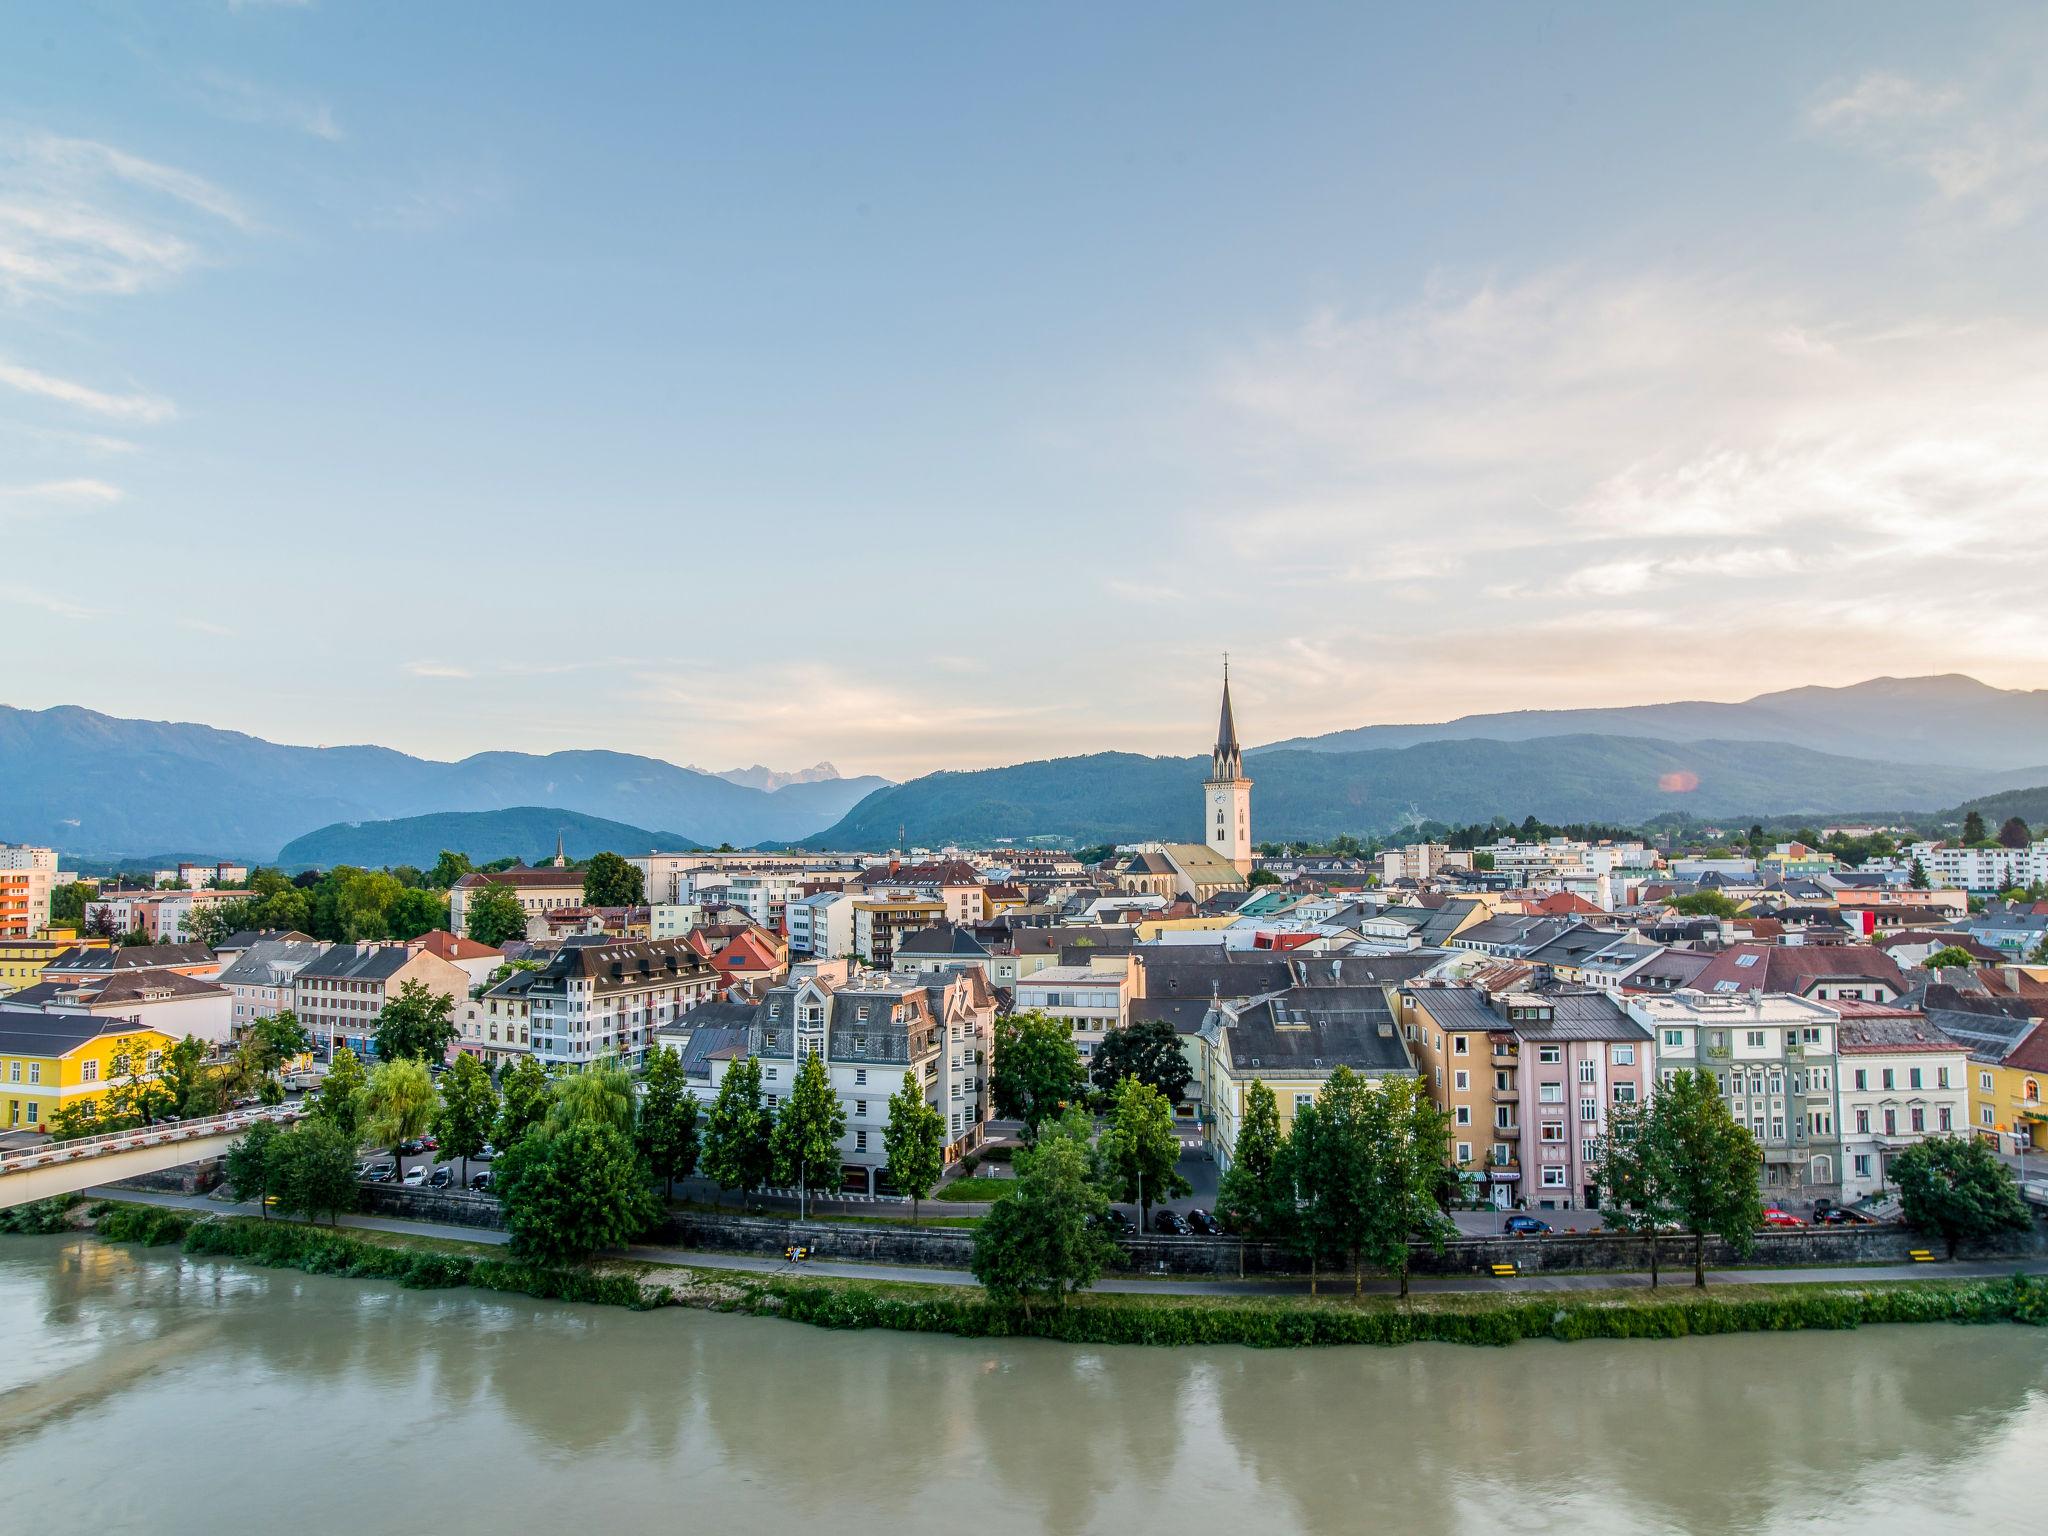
(1097, 1318)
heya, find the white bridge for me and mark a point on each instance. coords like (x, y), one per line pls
(64, 1167)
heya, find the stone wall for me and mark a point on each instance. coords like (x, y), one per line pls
(185, 1179)
(458, 1208)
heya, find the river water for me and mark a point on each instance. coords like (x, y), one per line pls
(142, 1391)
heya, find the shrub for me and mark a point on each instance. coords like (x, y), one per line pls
(40, 1216)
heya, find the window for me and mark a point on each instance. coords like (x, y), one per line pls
(1754, 1039)
(1587, 1071)
(1891, 1122)
(1862, 1165)
(1550, 1055)
(1461, 1045)
(1589, 1110)
(860, 1107)
(860, 1077)
(1464, 1114)
(1941, 1077)
(1464, 1151)
(1624, 1093)
(1984, 1082)
(2031, 1091)
(1624, 1056)
(1552, 1130)
(1302, 1101)
(772, 1101)
(14, 1071)
(860, 1141)
(1553, 1178)
(1890, 1079)
(1674, 1038)
(1502, 1084)
(1862, 1079)
(1984, 1115)
(1504, 1118)
(1862, 1122)
(1550, 1093)
(1463, 1081)
(769, 1074)
(91, 1074)
(1946, 1118)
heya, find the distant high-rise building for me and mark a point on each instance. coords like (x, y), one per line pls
(1227, 793)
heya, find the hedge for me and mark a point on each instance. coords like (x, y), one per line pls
(40, 1216)
(1096, 1319)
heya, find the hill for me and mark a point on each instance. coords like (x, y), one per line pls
(88, 783)
(2030, 805)
(524, 831)
(1112, 796)
(1949, 719)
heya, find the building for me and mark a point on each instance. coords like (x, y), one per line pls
(1195, 871)
(497, 1027)
(22, 960)
(1089, 999)
(176, 1004)
(1773, 1056)
(944, 948)
(92, 962)
(600, 998)
(51, 1061)
(1227, 794)
(540, 891)
(821, 924)
(1857, 973)
(27, 877)
(1291, 1041)
(1421, 861)
(1980, 871)
(1902, 1080)
(479, 962)
(870, 1030)
(159, 915)
(260, 979)
(2011, 929)
(339, 995)
(193, 875)
(879, 921)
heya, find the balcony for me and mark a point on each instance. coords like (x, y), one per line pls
(1717, 1052)
(1507, 1095)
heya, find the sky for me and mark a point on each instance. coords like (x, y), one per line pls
(939, 386)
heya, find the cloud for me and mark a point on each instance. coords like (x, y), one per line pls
(437, 669)
(244, 101)
(1982, 147)
(80, 218)
(138, 408)
(50, 603)
(68, 492)
(206, 627)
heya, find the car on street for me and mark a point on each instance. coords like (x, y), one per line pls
(480, 1181)
(1204, 1223)
(1171, 1224)
(1773, 1217)
(416, 1175)
(1841, 1216)
(1116, 1223)
(1526, 1226)
(440, 1178)
(486, 1152)
(380, 1173)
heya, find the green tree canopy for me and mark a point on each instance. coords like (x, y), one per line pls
(609, 881)
(248, 1164)
(1408, 1143)
(1708, 903)
(1037, 1072)
(468, 1112)
(1712, 1165)
(737, 1152)
(525, 1093)
(1949, 957)
(601, 1092)
(1635, 1184)
(915, 1139)
(807, 1131)
(1140, 1149)
(416, 1025)
(313, 1171)
(1256, 1199)
(1044, 1237)
(448, 869)
(2014, 833)
(1150, 1051)
(667, 1133)
(492, 915)
(398, 1103)
(569, 1191)
(339, 1099)
(1330, 1158)
(1954, 1187)
(1973, 828)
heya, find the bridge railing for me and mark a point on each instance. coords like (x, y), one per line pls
(141, 1136)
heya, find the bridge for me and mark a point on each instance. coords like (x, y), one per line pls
(64, 1167)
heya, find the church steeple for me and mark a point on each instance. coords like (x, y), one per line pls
(1227, 793)
(561, 856)
(1226, 761)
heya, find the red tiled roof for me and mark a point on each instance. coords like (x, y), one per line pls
(451, 946)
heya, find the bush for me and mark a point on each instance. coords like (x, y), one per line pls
(1001, 1152)
(40, 1216)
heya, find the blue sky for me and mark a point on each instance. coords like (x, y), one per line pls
(939, 386)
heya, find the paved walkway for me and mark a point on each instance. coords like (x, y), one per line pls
(1676, 1280)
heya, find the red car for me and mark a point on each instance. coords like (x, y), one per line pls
(1777, 1218)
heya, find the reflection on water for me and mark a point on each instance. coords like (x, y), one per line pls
(237, 1399)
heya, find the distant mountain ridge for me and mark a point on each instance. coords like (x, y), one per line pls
(527, 832)
(1116, 796)
(89, 783)
(769, 780)
(1949, 719)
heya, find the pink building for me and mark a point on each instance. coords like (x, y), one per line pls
(1572, 1057)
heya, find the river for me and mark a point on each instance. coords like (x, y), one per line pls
(141, 1391)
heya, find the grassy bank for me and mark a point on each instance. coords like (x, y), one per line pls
(1096, 1318)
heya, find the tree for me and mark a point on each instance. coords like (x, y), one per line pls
(1330, 1160)
(270, 1042)
(492, 915)
(448, 869)
(339, 1100)
(1918, 878)
(667, 1134)
(313, 1170)
(1140, 1149)
(1407, 1141)
(1259, 877)
(915, 1139)
(398, 1103)
(1036, 1072)
(67, 903)
(609, 881)
(1255, 1199)
(602, 1092)
(416, 1025)
(185, 1078)
(1955, 1187)
(524, 1097)
(469, 1110)
(416, 912)
(567, 1191)
(1973, 829)
(1949, 957)
(737, 1151)
(1712, 1164)
(1044, 1237)
(249, 1165)
(1634, 1181)
(1151, 1052)
(1705, 904)
(2014, 833)
(807, 1131)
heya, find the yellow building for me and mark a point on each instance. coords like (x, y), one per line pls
(2009, 1098)
(22, 960)
(49, 1061)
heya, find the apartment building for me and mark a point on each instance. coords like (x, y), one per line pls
(1089, 999)
(260, 980)
(497, 1027)
(821, 924)
(599, 998)
(27, 877)
(1902, 1080)
(1980, 871)
(178, 1005)
(879, 921)
(339, 995)
(540, 891)
(52, 1060)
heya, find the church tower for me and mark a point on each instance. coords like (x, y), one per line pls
(1227, 793)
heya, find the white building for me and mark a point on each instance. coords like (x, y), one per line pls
(821, 924)
(1980, 870)
(1091, 1000)
(261, 979)
(1903, 1080)
(600, 998)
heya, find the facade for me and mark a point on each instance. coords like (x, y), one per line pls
(476, 961)
(27, 877)
(1980, 871)
(161, 915)
(158, 999)
(879, 921)
(49, 1061)
(497, 1027)
(540, 891)
(1227, 795)
(1857, 973)
(339, 995)
(260, 980)
(1090, 999)
(22, 960)
(1774, 1058)
(1902, 1081)
(821, 924)
(600, 998)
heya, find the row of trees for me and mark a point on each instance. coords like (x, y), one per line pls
(189, 1082)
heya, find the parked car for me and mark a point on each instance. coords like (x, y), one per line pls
(1773, 1217)
(381, 1173)
(1116, 1223)
(1172, 1224)
(480, 1182)
(1841, 1216)
(415, 1176)
(419, 1144)
(486, 1152)
(440, 1178)
(1204, 1223)
(1526, 1226)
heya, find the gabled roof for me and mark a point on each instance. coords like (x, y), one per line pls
(1314, 1030)
(942, 939)
(130, 957)
(31, 1032)
(270, 963)
(1797, 968)
(451, 946)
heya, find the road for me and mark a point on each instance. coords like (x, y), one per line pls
(693, 1258)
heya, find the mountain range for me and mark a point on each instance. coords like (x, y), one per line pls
(771, 779)
(88, 783)
(528, 832)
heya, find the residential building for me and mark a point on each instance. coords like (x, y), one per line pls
(540, 891)
(1291, 1041)
(99, 962)
(339, 996)
(178, 1005)
(161, 915)
(2008, 1046)
(880, 920)
(1980, 871)
(821, 924)
(2008, 927)
(27, 877)
(199, 875)
(600, 998)
(1858, 973)
(497, 1027)
(1773, 1056)
(479, 962)
(49, 1061)
(22, 960)
(1090, 999)
(260, 980)
(1421, 861)
(943, 948)
(1902, 1081)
